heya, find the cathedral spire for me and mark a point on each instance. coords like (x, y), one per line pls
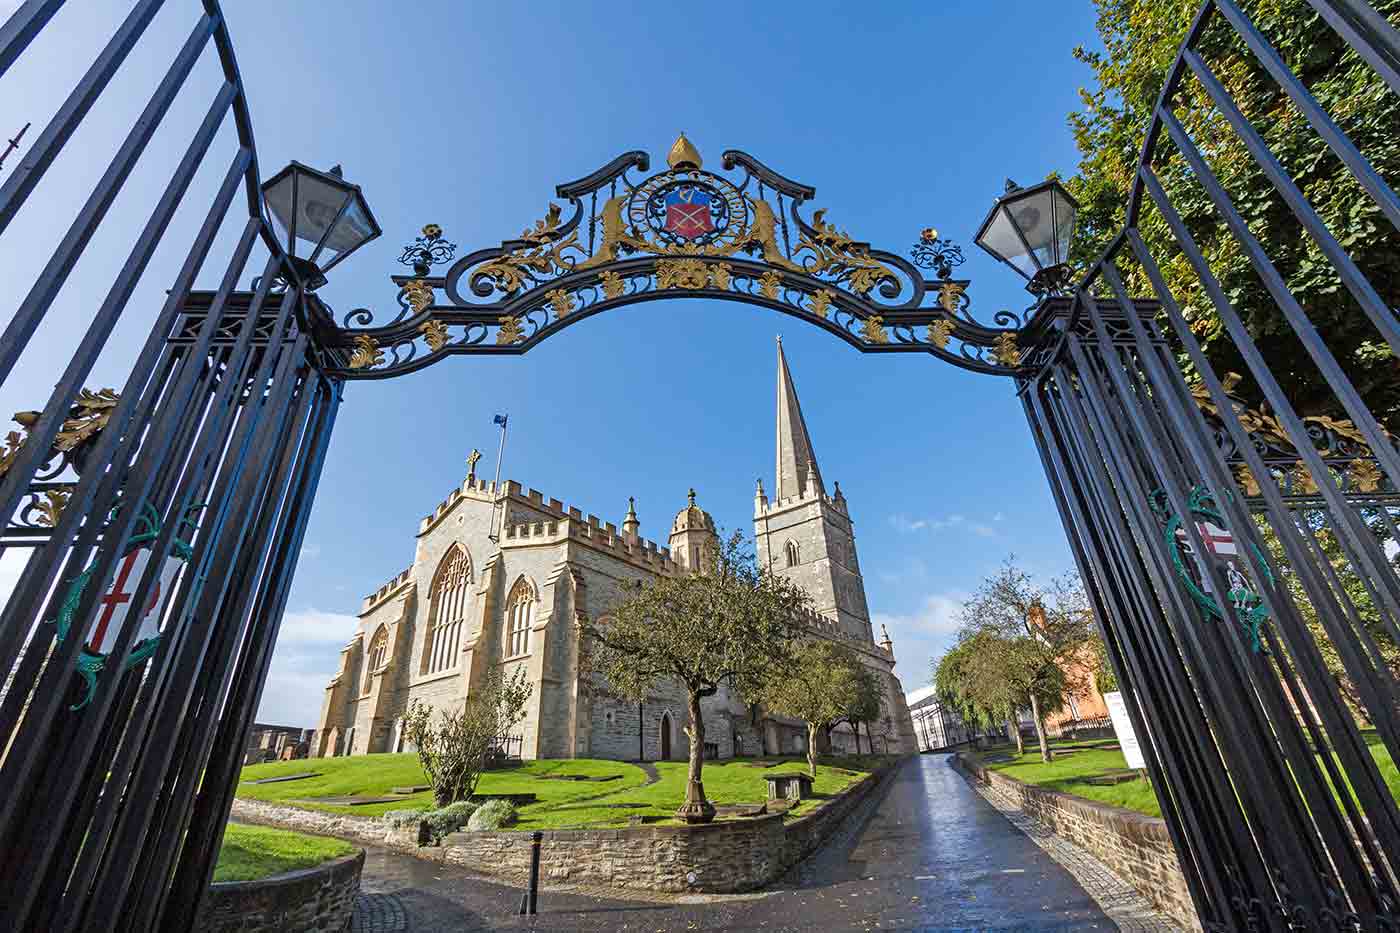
(797, 462)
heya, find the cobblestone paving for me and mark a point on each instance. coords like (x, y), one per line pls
(925, 853)
(1129, 909)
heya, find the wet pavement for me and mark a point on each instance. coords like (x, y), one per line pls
(933, 855)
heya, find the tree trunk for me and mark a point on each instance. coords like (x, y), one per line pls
(856, 725)
(812, 749)
(1014, 728)
(1045, 754)
(696, 808)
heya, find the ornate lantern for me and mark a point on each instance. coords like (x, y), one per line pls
(1030, 230)
(324, 212)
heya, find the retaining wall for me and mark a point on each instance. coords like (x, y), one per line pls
(1135, 846)
(320, 899)
(720, 857)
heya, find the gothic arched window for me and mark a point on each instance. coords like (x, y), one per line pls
(447, 610)
(520, 612)
(793, 556)
(378, 649)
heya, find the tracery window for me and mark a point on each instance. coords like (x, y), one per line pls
(793, 556)
(378, 648)
(520, 613)
(447, 611)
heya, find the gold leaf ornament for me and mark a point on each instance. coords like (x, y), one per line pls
(612, 284)
(872, 329)
(366, 354)
(88, 416)
(418, 293)
(948, 296)
(55, 500)
(1365, 475)
(510, 331)
(940, 332)
(1007, 352)
(435, 333)
(721, 274)
(560, 301)
(769, 282)
(820, 303)
(13, 442)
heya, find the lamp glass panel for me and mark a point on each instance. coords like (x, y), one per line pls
(351, 230)
(1033, 216)
(318, 203)
(1001, 239)
(1064, 225)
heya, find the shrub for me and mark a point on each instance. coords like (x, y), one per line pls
(449, 819)
(403, 819)
(493, 814)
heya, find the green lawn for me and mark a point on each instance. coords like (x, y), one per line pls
(560, 803)
(252, 852)
(1075, 761)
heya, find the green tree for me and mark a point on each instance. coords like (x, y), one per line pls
(729, 624)
(456, 748)
(969, 682)
(866, 706)
(819, 686)
(1140, 40)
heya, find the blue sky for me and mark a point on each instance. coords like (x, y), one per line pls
(900, 115)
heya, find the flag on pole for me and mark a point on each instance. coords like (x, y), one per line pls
(500, 419)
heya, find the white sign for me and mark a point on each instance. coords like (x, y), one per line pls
(115, 604)
(1123, 728)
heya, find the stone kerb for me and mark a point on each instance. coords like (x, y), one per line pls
(1135, 846)
(312, 899)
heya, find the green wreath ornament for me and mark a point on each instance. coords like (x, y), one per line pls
(1249, 605)
(90, 663)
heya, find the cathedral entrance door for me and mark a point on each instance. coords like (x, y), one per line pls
(666, 737)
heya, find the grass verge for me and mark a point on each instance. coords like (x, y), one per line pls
(253, 852)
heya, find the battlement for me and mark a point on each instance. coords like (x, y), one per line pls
(378, 595)
(767, 507)
(601, 535)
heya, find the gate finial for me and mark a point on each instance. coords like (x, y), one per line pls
(683, 154)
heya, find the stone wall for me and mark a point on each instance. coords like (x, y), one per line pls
(320, 899)
(1135, 846)
(716, 858)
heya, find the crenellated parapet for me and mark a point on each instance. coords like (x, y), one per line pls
(387, 590)
(590, 531)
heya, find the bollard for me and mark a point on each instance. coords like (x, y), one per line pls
(530, 899)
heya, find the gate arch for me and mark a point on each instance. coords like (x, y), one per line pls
(214, 446)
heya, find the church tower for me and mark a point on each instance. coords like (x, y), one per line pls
(803, 533)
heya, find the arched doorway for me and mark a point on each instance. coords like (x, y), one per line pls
(226, 418)
(665, 736)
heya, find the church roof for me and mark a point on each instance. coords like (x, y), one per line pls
(796, 459)
(692, 518)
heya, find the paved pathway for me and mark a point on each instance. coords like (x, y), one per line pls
(933, 855)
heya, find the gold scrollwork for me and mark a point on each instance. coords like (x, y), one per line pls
(615, 235)
(560, 301)
(681, 273)
(837, 254)
(721, 274)
(510, 331)
(89, 415)
(543, 255)
(872, 329)
(820, 303)
(13, 442)
(418, 293)
(55, 500)
(763, 234)
(435, 333)
(612, 284)
(1303, 482)
(1365, 476)
(367, 353)
(769, 283)
(940, 332)
(1248, 482)
(1007, 352)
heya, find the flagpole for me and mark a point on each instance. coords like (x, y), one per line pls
(504, 422)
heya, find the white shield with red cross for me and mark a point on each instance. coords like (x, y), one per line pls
(116, 604)
(1218, 541)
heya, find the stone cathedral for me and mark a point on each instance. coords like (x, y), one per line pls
(499, 575)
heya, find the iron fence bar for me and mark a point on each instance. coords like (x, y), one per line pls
(1165, 735)
(223, 47)
(183, 652)
(1208, 694)
(1268, 384)
(21, 27)
(211, 808)
(1356, 283)
(1318, 800)
(1359, 24)
(1316, 348)
(51, 141)
(139, 482)
(41, 434)
(171, 823)
(1109, 605)
(1318, 118)
(243, 479)
(41, 295)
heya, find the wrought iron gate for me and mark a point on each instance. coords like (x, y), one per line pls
(190, 487)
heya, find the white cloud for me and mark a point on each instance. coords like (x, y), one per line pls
(906, 525)
(985, 531)
(938, 616)
(306, 657)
